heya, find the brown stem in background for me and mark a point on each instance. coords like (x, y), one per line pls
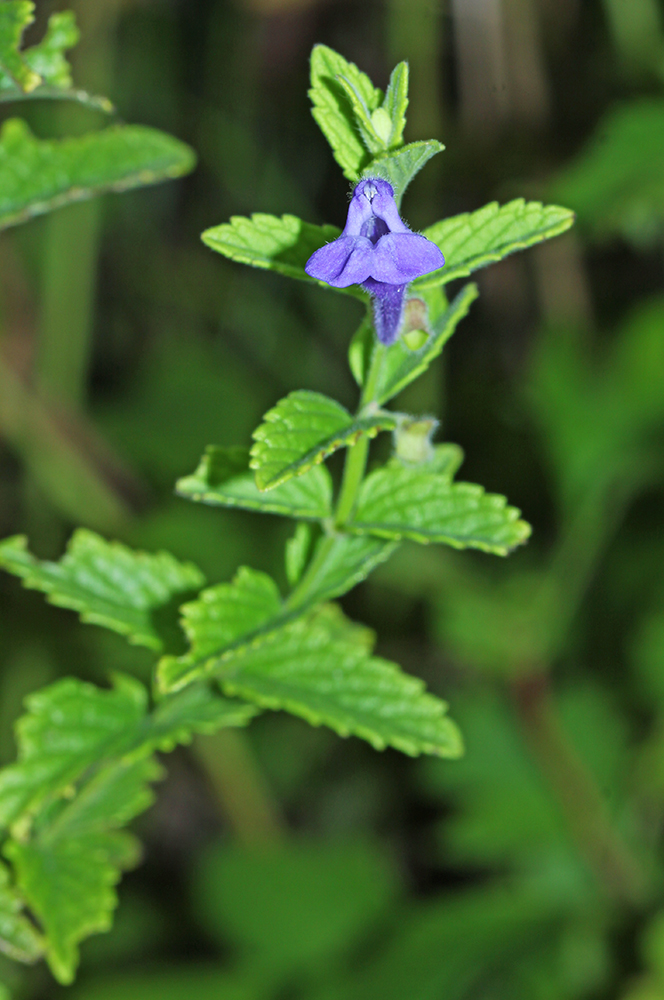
(576, 790)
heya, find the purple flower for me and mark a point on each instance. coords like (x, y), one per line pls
(378, 251)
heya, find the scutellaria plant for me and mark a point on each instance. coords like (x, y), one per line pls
(85, 766)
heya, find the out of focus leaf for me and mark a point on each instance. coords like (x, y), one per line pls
(476, 239)
(302, 430)
(169, 982)
(224, 479)
(19, 938)
(106, 582)
(293, 906)
(15, 16)
(67, 871)
(38, 175)
(48, 57)
(616, 183)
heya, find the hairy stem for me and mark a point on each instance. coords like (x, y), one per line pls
(576, 790)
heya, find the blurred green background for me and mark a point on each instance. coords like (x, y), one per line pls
(285, 862)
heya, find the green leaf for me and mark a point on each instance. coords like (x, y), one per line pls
(19, 938)
(277, 244)
(400, 167)
(106, 582)
(68, 871)
(396, 103)
(244, 612)
(400, 365)
(300, 904)
(48, 57)
(320, 668)
(616, 183)
(475, 239)
(401, 502)
(373, 124)
(332, 109)
(178, 717)
(339, 563)
(39, 175)
(69, 727)
(302, 430)
(297, 552)
(224, 479)
(223, 617)
(15, 16)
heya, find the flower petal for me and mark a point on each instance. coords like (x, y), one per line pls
(400, 257)
(346, 261)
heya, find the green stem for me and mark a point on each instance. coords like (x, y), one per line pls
(354, 467)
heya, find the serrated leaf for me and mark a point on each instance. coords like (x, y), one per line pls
(222, 617)
(319, 667)
(401, 166)
(396, 103)
(68, 871)
(108, 583)
(69, 726)
(39, 175)
(244, 612)
(301, 431)
(333, 111)
(402, 502)
(277, 244)
(476, 239)
(223, 478)
(400, 365)
(19, 938)
(15, 16)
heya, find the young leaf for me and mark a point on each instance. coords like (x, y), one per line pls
(19, 938)
(319, 667)
(373, 124)
(15, 16)
(412, 502)
(338, 564)
(301, 431)
(333, 111)
(67, 871)
(400, 167)
(400, 365)
(298, 547)
(39, 175)
(277, 244)
(396, 103)
(475, 239)
(224, 479)
(222, 617)
(106, 582)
